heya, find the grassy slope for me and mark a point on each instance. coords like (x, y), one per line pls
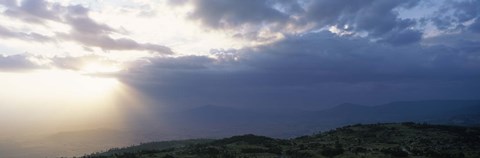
(375, 140)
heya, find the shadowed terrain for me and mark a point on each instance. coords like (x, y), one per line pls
(372, 140)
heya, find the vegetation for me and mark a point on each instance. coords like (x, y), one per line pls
(374, 140)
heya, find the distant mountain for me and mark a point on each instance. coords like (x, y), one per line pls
(215, 121)
(373, 140)
(219, 114)
(426, 110)
(218, 121)
(416, 111)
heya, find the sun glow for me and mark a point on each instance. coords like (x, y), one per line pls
(95, 68)
(54, 100)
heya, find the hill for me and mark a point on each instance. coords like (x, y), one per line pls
(372, 140)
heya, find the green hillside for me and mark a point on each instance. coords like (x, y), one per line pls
(374, 140)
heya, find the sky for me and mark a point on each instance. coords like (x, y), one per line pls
(79, 58)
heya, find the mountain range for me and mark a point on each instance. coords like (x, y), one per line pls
(226, 120)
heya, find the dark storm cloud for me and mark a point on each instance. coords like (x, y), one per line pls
(220, 13)
(376, 17)
(475, 27)
(455, 14)
(379, 19)
(247, 18)
(317, 69)
(84, 30)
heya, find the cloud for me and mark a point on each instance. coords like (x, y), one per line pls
(8, 3)
(35, 37)
(379, 19)
(96, 65)
(20, 62)
(82, 23)
(35, 11)
(330, 52)
(475, 27)
(315, 69)
(257, 20)
(219, 14)
(376, 18)
(402, 37)
(84, 30)
(454, 15)
(107, 43)
(78, 63)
